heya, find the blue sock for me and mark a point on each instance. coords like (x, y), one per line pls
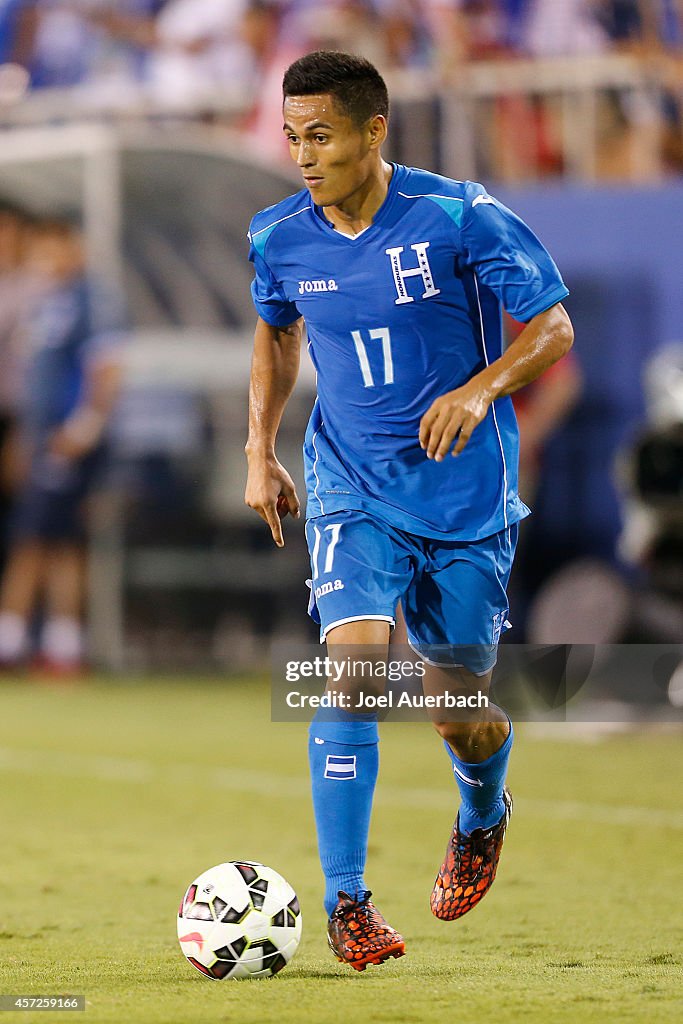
(344, 760)
(481, 787)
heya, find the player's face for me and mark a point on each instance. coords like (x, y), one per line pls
(56, 255)
(334, 154)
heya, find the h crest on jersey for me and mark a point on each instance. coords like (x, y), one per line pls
(422, 270)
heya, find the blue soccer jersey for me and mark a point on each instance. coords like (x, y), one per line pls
(402, 313)
(71, 324)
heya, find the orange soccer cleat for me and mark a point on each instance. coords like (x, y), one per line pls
(358, 934)
(469, 867)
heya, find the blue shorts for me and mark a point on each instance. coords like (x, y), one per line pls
(453, 593)
(50, 504)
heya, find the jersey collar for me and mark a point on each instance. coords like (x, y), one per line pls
(378, 220)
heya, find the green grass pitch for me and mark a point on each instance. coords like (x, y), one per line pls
(114, 796)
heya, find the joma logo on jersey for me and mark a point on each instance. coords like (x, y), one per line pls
(422, 270)
(327, 588)
(318, 286)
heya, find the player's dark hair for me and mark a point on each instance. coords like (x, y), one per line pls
(355, 83)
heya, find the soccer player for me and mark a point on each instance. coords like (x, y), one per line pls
(410, 454)
(71, 378)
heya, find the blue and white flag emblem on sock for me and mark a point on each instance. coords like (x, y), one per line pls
(340, 766)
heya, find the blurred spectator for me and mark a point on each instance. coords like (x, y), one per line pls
(519, 130)
(541, 409)
(197, 49)
(353, 25)
(653, 31)
(547, 29)
(408, 37)
(189, 50)
(305, 25)
(19, 288)
(259, 28)
(559, 28)
(62, 43)
(71, 382)
(489, 28)
(12, 15)
(651, 474)
(642, 24)
(72, 42)
(622, 20)
(223, 60)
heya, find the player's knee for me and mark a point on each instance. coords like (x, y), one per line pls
(455, 733)
(470, 738)
(466, 738)
(362, 693)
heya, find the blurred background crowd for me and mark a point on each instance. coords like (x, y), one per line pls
(139, 137)
(227, 56)
(172, 44)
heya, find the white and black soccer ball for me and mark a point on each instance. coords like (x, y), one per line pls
(239, 920)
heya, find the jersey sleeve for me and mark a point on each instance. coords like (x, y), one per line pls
(108, 327)
(508, 257)
(269, 299)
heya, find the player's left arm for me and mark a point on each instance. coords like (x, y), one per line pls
(83, 430)
(544, 340)
(100, 357)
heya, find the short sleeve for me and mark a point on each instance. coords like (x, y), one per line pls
(509, 259)
(108, 327)
(267, 294)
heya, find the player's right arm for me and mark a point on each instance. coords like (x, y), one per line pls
(274, 369)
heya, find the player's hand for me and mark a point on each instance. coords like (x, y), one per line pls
(271, 492)
(453, 415)
(78, 435)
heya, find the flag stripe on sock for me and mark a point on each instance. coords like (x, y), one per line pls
(340, 767)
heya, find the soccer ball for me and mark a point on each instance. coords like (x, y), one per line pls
(239, 920)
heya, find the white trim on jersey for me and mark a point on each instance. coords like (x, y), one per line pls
(295, 214)
(431, 195)
(357, 618)
(343, 235)
(358, 233)
(493, 407)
